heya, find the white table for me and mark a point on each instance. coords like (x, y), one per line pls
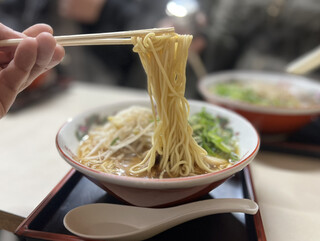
(30, 163)
(287, 187)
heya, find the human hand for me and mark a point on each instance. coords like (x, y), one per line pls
(83, 11)
(21, 64)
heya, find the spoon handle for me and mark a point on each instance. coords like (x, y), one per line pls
(183, 213)
(220, 205)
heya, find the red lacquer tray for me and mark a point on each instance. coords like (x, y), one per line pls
(46, 221)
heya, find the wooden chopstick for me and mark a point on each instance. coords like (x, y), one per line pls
(120, 34)
(76, 42)
(105, 41)
(306, 63)
(113, 38)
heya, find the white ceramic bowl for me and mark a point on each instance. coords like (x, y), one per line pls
(157, 192)
(267, 119)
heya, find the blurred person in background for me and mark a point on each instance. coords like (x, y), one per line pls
(253, 34)
(246, 34)
(97, 16)
(228, 35)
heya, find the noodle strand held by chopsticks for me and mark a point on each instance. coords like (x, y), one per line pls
(174, 150)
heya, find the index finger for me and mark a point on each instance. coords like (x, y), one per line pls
(6, 53)
(36, 29)
(7, 33)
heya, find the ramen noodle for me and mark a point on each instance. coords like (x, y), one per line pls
(158, 142)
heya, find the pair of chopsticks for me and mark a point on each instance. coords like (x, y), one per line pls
(111, 38)
(306, 63)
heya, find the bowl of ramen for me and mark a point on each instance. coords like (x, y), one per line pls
(274, 103)
(112, 146)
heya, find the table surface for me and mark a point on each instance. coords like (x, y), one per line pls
(287, 186)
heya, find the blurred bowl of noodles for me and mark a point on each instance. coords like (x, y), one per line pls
(153, 191)
(274, 103)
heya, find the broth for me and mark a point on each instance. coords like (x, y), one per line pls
(94, 150)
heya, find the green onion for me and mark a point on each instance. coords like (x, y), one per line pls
(212, 134)
(114, 141)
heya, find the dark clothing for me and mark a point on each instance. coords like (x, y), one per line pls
(117, 15)
(244, 34)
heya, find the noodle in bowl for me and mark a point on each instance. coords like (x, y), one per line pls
(156, 192)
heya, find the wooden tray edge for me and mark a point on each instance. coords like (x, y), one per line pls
(261, 236)
(23, 228)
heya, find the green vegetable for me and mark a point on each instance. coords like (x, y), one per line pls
(258, 94)
(212, 134)
(114, 141)
(236, 91)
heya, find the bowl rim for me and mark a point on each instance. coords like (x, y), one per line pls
(203, 87)
(154, 183)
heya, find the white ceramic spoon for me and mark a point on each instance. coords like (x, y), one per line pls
(119, 222)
